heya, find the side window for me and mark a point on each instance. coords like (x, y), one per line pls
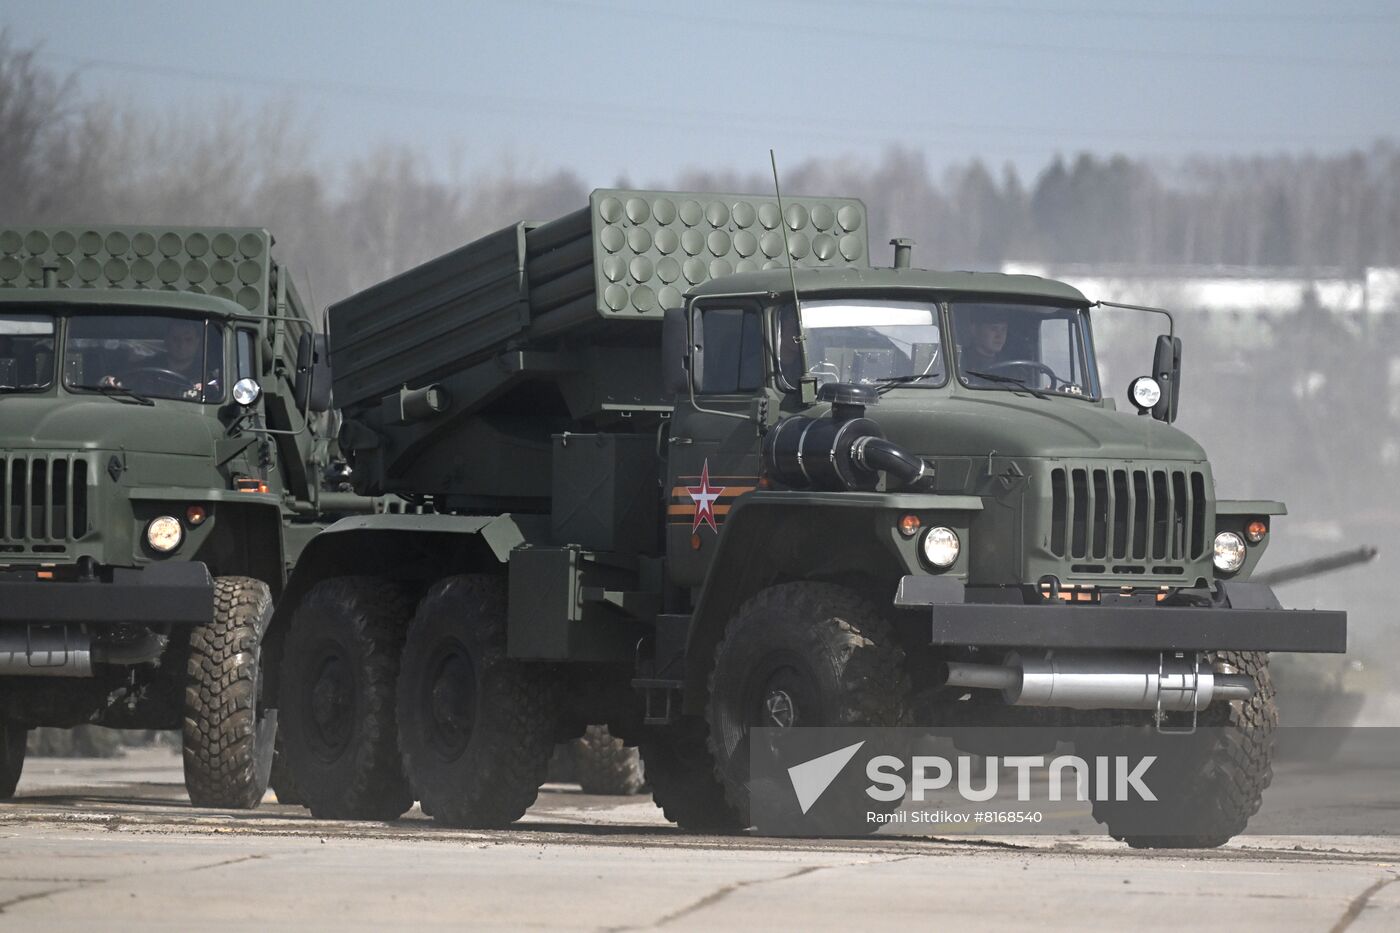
(247, 360)
(732, 350)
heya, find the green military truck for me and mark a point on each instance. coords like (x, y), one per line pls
(677, 486)
(161, 436)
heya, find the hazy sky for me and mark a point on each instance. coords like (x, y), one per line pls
(643, 89)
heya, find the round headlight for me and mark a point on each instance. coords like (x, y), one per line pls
(1229, 552)
(941, 546)
(246, 391)
(1145, 392)
(164, 534)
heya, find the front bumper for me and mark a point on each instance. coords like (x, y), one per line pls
(1249, 619)
(175, 593)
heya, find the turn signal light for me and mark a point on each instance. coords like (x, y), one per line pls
(250, 484)
(1255, 531)
(909, 525)
(196, 515)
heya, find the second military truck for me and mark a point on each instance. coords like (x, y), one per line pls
(673, 485)
(162, 435)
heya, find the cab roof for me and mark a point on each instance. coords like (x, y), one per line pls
(826, 281)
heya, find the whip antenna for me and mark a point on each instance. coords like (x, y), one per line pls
(787, 251)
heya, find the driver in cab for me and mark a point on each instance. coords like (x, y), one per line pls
(985, 343)
(180, 365)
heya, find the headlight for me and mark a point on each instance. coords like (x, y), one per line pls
(1229, 552)
(246, 391)
(941, 546)
(164, 534)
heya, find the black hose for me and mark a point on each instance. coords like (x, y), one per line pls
(876, 453)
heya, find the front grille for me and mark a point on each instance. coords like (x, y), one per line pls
(1135, 517)
(43, 502)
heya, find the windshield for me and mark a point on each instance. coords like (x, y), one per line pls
(148, 355)
(1019, 347)
(26, 352)
(864, 342)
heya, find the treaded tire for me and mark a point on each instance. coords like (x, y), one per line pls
(13, 741)
(339, 671)
(227, 735)
(681, 772)
(827, 649)
(1218, 784)
(605, 765)
(476, 728)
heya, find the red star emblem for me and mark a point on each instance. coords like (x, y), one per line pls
(704, 497)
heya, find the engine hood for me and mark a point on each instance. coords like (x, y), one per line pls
(46, 423)
(1011, 426)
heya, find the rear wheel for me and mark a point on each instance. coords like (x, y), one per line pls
(605, 765)
(339, 670)
(227, 733)
(1211, 782)
(803, 654)
(476, 728)
(13, 739)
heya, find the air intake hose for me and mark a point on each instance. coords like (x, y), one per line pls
(844, 451)
(876, 453)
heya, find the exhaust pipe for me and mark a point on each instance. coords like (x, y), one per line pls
(1104, 681)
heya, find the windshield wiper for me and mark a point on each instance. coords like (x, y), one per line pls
(1009, 380)
(890, 382)
(116, 391)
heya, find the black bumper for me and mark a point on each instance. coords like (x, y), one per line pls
(180, 593)
(1249, 620)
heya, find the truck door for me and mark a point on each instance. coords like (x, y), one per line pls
(714, 443)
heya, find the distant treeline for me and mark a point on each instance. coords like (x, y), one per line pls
(66, 156)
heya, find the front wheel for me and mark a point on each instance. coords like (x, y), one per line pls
(13, 740)
(802, 654)
(1211, 782)
(476, 728)
(227, 733)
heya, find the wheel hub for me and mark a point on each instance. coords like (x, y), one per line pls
(780, 708)
(450, 702)
(332, 700)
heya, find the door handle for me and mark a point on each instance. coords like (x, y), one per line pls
(680, 441)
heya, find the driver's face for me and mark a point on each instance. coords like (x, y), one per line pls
(182, 343)
(989, 337)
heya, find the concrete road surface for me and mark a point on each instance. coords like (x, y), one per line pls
(115, 845)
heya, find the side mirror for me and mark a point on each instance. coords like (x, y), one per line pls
(1166, 369)
(312, 390)
(675, 351)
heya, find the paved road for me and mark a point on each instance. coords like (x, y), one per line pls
(114, 844)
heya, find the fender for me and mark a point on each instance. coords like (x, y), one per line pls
(409, 549)
(771, 536)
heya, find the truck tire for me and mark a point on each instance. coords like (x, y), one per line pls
(802, 654)
(605, 765)
(13, 740)
(339, 670)
(681, 772)
(476, 728)
(227, 733)
(1215, 779)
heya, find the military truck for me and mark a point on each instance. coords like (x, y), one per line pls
(691, 466)
(162, 430)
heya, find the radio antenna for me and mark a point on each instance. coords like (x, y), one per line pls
(787, 251)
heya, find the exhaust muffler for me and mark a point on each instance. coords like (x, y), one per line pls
(1104, 681)
(44, 651)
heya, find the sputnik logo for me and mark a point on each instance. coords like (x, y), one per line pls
(704, 497)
